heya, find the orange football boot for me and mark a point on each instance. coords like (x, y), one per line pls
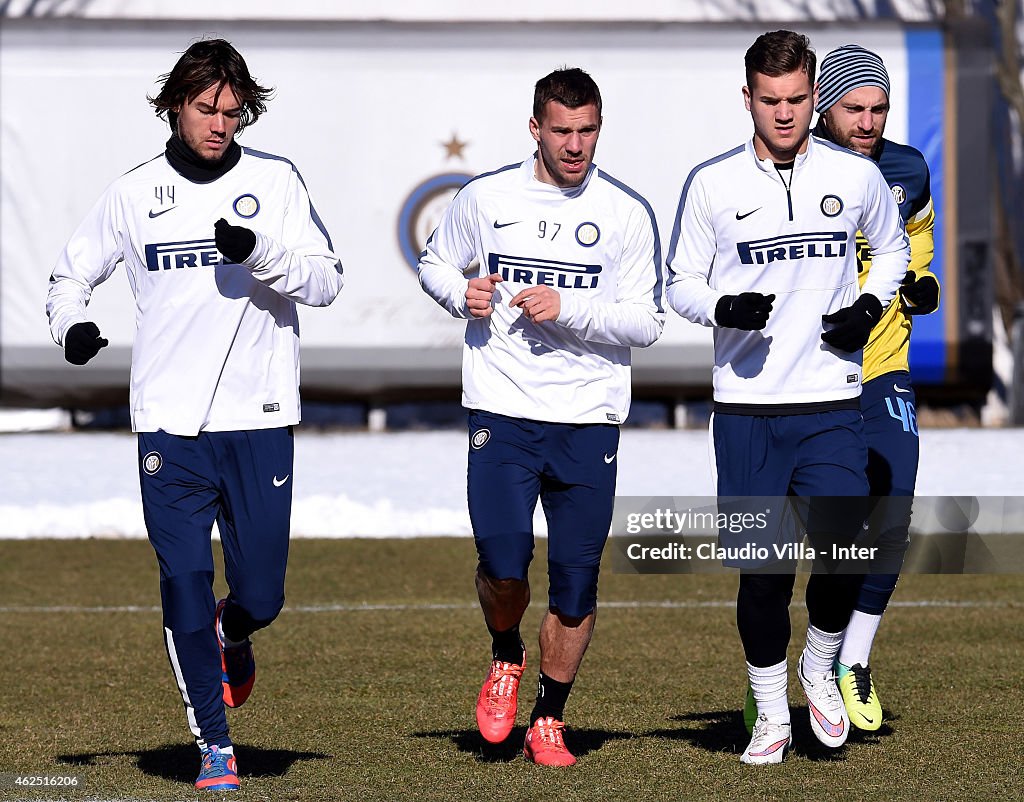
(545, 745)
(496, 704)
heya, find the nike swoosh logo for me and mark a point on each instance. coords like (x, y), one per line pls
(279, 482)
(898, 390)
(868, 720)
(162, 211)
(503, 225)
(775, 747)
(741, 216)
(611, 459)
(834, 730)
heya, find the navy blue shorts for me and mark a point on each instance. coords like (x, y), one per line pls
(819, 458)
(571, 468)
(817, 454)
(242, 480)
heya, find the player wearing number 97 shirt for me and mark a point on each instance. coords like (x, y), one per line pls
(219, 242)
(568, 280)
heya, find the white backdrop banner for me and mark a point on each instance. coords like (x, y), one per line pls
(385, 122)
(473, 10)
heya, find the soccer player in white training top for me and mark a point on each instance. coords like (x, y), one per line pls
(569, 279)
(764, 250)
(219, 242)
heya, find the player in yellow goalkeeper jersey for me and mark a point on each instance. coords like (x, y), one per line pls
(853, 101)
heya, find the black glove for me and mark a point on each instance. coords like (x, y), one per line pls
(82, 342)
(851, 325)
(747, 311)
(920, 295)
(235, 242)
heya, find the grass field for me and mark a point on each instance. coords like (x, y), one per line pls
(367, 682)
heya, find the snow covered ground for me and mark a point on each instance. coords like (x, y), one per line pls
(409, 484)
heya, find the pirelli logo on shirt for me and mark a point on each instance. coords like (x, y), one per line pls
(187, 253)
(815, 245)
(545, 272)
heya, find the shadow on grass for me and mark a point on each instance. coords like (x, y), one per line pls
(180, 762)
(863, 737)
(580, 741)
(723, 731)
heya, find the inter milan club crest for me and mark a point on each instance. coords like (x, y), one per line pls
(831, 206)
(246, 206)
(480, 438)
(152, 462)
(899, 194)
(587, 234)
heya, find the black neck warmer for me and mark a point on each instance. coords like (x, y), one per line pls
(185, 160)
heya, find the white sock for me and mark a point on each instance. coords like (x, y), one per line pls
(860, 634)
(769, 686)
(820, 651)
(226, 750)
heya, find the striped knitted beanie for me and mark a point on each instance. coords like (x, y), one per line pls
(847, 68)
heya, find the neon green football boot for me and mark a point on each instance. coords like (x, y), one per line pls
(750, 711)
(859, 696)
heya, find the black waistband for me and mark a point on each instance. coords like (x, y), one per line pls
(772, 410)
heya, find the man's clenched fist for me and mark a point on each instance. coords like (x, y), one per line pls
(479, 294)
(236, 242)
(82, 342)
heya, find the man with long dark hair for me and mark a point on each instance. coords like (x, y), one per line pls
(764, 250)
(220, 242)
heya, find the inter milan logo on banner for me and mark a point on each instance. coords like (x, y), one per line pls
(422, 209)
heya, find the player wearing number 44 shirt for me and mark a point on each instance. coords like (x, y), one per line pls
(219, 243)
(568, 280)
